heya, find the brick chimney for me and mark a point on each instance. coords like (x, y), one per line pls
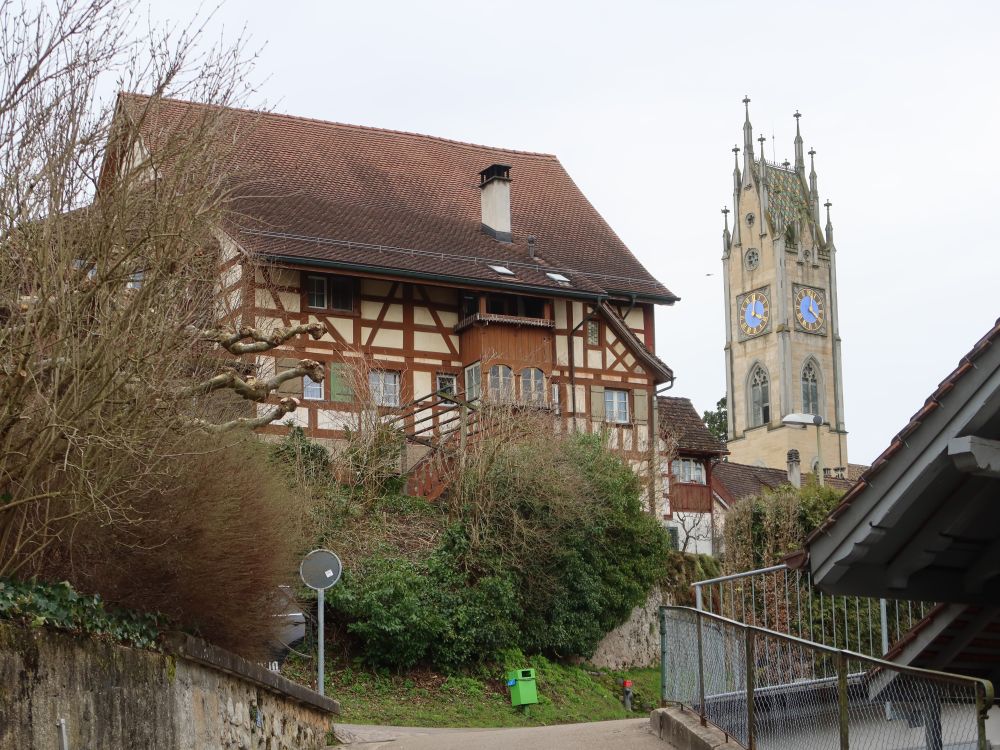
(794, 469)
(494, 196)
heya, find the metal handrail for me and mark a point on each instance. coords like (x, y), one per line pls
(946, 676)
(982, 689)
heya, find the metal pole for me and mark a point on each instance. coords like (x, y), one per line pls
(697, 597)
(701, 675)
(63, 740)
(751, 679)
(981, 709)
(320, 597)
(663, 657)
(819, 457)
(883, 608)
(842, 699)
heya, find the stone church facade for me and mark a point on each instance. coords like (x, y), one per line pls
(783, 347)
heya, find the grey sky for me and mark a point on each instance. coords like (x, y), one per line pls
(641, 102)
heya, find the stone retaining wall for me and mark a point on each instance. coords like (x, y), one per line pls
(634, 643)
(192, 696)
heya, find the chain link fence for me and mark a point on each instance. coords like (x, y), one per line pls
(773, 691)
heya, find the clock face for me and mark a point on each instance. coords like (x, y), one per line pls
(754, 313)
(810, 311)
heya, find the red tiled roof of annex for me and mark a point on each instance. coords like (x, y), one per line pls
(679, 418)
(356, 196)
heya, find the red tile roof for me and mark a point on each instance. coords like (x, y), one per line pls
(679, 418)
(353, 197)
(736, 481)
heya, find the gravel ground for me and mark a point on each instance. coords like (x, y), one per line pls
(633, 734)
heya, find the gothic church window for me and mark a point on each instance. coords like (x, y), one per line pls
(760, 397)
(810, 389)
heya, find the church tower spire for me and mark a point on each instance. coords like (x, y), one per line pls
(782, 348)
(813, 189)
(737, 184)
(747, 140)
(800, 162)
(726, 238)
(829, 224)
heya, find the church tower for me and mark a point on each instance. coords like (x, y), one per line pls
(782, 337)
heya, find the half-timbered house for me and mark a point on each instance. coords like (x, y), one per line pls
(443, 267)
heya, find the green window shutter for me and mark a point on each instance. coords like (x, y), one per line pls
(640, 406)
(597, 402)
(291, 387)
(341, 387)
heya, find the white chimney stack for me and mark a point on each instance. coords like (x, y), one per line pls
(494, 195)
(794, 469)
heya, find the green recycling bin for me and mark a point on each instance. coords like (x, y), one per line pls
(522, 687)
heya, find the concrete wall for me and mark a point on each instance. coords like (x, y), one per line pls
(194, 696)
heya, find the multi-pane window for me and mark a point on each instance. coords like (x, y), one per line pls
(134, 281)
(616, 406)
(311, 390)
(501, 383)
(330, 292)
(760, 397)
(316, 291)
(689, 470)
(446, 383)
(384, 387)
(810, 389)
(473, 382)
(593, 333)
(532, 385)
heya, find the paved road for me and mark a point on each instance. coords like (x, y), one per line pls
(633, 734)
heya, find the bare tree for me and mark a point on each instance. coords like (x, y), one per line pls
(113, 339)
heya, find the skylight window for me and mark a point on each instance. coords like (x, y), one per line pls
(557, 277)
(502, 270)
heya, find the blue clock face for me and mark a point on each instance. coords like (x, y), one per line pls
(809, 309)
(754, 313)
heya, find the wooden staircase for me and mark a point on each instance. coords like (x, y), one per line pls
(442, 423)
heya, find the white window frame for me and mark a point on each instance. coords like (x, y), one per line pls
(501, 382)
(473, 381)
(616, 406)
(384, 387)
(449, 377)
(310, 278)
(689, 471)
(135, 280)
(311, 390)
(533, 386)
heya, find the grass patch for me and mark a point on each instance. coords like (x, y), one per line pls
(423, 697)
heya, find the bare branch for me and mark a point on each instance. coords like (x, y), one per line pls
(285, 406)
(263, 341)
(252, 389)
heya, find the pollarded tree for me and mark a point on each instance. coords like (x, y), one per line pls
(118, 334)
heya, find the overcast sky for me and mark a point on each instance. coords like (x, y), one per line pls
(641, 102)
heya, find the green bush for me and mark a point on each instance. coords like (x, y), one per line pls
(403, 612)
(58, 605)
(549, 549)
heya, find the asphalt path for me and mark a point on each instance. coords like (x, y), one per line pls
(633, 734)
